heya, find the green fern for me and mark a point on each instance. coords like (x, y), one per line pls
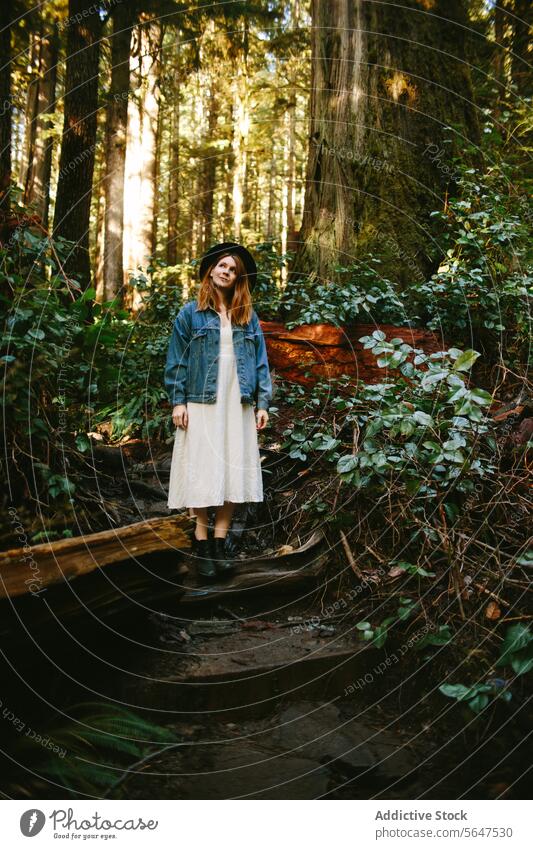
(99, 744)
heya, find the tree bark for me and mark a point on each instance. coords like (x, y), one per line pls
(522, 53)
(174, 176)
(141, 154)
(499, 54)
(115, 146)
(271, 208)
(99, 241)
(38, 161)
(30, 110)
(241, 124)
(5, 117)
(208, 172)
(386, 81)
(78, 143)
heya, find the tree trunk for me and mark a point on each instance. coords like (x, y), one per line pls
(99, 247)
(76, 164)
(385, 83)
(5, 117)
(38, 161)
(208, 173)
(522, 52)
(115, 147)
(228, 230)
(271, 209)
(499, 54)
(241, 125)
(30, 110)
(291, 176)
(174, 176)
(141, 156)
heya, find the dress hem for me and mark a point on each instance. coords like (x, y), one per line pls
(211, 504)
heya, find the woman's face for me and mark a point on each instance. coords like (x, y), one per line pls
(224, 273)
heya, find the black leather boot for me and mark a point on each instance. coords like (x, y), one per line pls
(205, 566)
(223, 566)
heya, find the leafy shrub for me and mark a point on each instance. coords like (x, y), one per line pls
(362, 294)
(478, 696)
(425, 429)
(517, 652)
(481, 291)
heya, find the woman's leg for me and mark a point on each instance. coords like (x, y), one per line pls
(223, 515)
(201, 521)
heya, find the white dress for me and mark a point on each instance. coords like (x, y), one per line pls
(216, 457)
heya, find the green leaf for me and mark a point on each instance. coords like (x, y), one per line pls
(478, 703)
(517, 636)
(481, 397)
(83, 443)
(347, 463)
(466, 360)
(36, 333)
(522, 663)
(455, 691)
(407, 427)
(422, 418)
(526, 559)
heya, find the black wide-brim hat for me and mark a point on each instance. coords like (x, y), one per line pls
(217, 251)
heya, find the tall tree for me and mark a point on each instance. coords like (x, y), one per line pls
(207, 176)
(5, 116)
(37, 163)
(241, 127)
(387, 79)
(115, 149)
(522, 58)
(141, 151)
(78, 141)
(173, 248)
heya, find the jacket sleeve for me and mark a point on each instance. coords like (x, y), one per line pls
(264, 382)
(178, 359)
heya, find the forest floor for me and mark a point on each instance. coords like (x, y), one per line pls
(274, 693)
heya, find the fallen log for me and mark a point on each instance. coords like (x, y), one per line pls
(33, 568)
(329, 352)
(265, 574)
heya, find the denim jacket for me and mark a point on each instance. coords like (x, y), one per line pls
(191, 371)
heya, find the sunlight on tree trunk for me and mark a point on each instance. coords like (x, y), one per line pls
(173, 249)
(139, 194)
(37, 186)
(240, 140)
(115, 146)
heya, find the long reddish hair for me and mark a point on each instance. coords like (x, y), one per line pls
(241, 302)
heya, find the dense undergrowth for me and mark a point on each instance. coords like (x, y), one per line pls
(435, 489)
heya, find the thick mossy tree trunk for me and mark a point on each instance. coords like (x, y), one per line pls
(386, 81)
(78, 143)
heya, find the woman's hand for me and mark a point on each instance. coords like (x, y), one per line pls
(262, 419)
(180, 416)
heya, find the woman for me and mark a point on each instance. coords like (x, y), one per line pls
(217, 367)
